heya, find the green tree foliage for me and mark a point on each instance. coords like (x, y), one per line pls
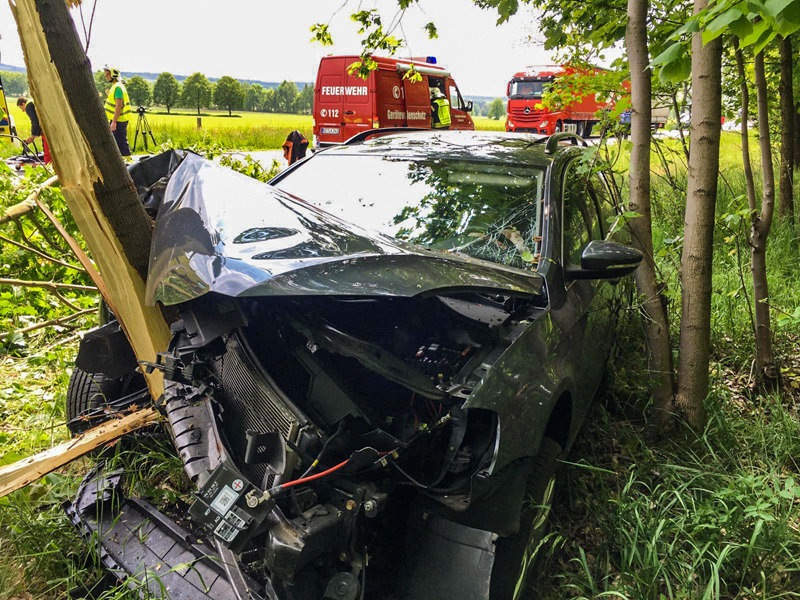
(14, 84)
(305, 100)
(21, 306)
(229, 93)
(754, 23)
(167, 90)
(497, 109)
(139, 91)
(270, 101)
(101, 83)
(285, 94)
(196, 92)
(255, 97)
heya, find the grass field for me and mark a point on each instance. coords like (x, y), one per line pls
(243, 131)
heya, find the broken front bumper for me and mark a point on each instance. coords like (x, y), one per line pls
(149, 552)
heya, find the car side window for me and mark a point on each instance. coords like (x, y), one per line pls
(611, 222)
(581, 223)
(606, 205)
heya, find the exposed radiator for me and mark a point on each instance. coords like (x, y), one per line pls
(252, 400)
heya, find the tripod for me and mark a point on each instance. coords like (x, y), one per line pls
(144, 127)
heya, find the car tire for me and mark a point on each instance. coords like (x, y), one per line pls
(515, 555)
(86, 392)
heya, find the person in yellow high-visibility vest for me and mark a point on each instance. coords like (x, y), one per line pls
(440, 109)
(118, 109)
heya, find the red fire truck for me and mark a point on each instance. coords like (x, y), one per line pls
(525, 113)
(345, 104)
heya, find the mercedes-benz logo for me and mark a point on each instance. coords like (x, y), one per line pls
(527, 110)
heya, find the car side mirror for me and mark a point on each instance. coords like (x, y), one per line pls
(468, 108)
(601, 259)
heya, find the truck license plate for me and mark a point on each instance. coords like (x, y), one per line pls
(330, 130)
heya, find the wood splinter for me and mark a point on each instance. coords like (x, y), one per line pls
(28, 470)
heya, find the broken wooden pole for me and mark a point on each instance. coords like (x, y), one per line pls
(28, 470)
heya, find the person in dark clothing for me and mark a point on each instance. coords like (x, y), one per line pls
(295, 146)
(36, 129)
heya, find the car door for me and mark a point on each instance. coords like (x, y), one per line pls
(586, 301)
(458, 108)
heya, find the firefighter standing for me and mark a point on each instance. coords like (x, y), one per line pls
(118, 109)
(440, 109)
(36, 128)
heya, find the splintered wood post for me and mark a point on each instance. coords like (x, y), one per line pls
(101, 197)
(28, 470)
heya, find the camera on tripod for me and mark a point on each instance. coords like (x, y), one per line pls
(143, 127)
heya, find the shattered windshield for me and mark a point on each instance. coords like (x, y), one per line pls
(487, 210)
(529, 89)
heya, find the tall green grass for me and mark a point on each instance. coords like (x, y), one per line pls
(712, 516)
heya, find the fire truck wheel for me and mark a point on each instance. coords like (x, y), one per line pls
(559, 127)
(579, 127)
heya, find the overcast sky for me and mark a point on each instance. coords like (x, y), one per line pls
(270, 40)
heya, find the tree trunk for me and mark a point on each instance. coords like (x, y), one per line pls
(95, 182)
(796, 153)
(748, 169)
(701, 197)
(655, 321)
(761, 223)
(786, 195)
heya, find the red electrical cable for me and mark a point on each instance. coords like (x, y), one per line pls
(315, 476)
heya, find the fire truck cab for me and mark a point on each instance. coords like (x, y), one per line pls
(345, 105)
(525, 112)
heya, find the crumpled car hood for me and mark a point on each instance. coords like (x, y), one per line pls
(221, 231)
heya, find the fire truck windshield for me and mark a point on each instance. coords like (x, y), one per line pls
(529, 89)
(487, 210)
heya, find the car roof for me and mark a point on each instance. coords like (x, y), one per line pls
(492, 146)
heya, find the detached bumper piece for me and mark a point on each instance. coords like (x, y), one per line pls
(144, 548)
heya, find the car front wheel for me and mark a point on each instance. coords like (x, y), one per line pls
(90, 395)
(516, 555)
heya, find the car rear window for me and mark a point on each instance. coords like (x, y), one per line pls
(488, 210)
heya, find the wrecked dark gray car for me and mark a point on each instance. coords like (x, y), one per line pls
(379, 359)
